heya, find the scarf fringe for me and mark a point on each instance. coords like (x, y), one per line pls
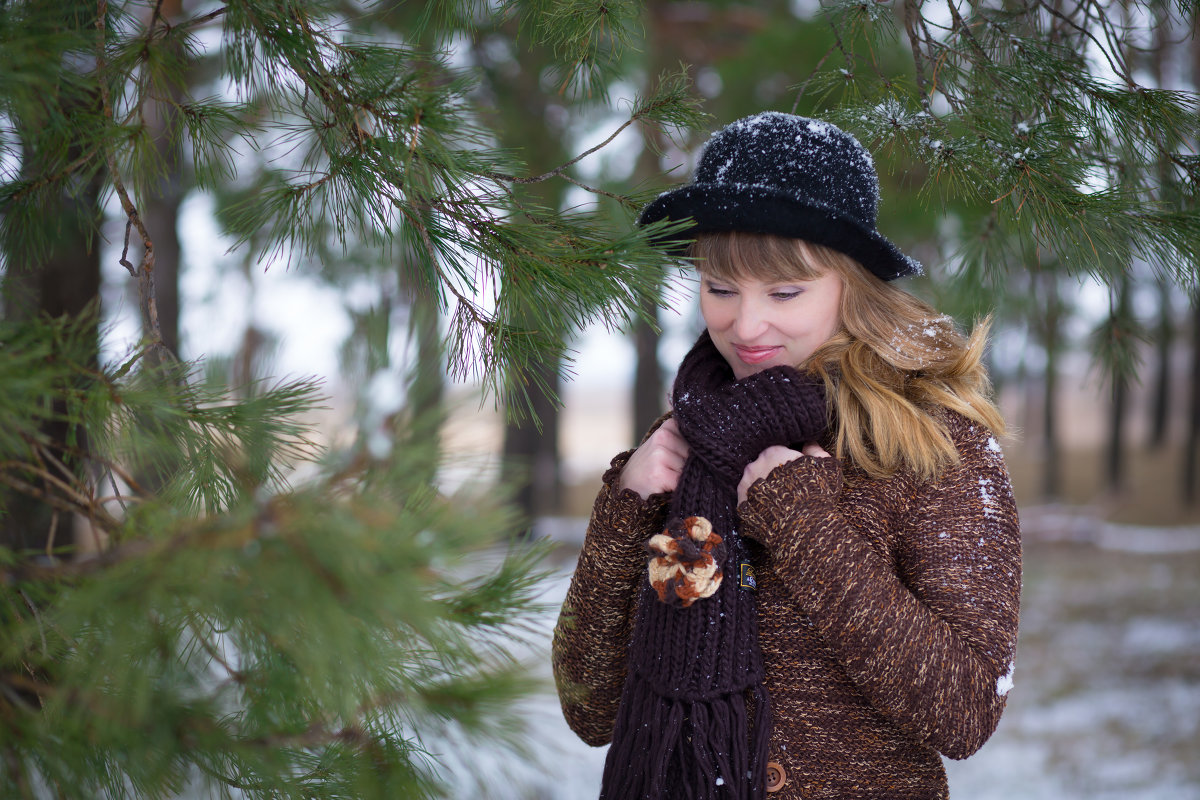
(679, 749)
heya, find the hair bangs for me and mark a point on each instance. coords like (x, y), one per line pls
(737, 255)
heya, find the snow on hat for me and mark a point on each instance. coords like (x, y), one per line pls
(790, 176)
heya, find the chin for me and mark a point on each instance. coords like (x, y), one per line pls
(741, 371)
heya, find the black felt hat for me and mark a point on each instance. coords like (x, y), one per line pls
(787, 175)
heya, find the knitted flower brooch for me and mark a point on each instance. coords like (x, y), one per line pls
(685, 566)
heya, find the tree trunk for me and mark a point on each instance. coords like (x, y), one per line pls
(531, 454)
(697, 34)
(161, 214)
(1052, 342)
(65, 284)
(427, 387)
(649, 392)
(1164, 335)
(1193, 427)
(649, 384)
(1160, 405)
(1115, 460)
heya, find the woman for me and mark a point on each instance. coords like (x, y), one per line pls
(805, 581)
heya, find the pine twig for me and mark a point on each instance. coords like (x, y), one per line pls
(54, 500)
(912, 13)
(1120, 69)
(837, 43)
(235, 674)
(33, 186)
(497, 176)
(147, 291)
(196, 22)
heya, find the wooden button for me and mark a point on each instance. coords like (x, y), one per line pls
(776, 777)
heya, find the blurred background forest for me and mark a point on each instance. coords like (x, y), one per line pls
(288, 286)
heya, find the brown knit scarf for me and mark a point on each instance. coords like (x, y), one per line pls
(682, 728)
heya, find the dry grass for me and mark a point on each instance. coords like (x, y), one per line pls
(1152, 494)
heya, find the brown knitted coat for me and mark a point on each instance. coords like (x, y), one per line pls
(887, 616)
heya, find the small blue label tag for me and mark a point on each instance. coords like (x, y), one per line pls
(746, 576)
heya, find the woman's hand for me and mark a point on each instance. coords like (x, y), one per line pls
(655, 466)
(771, 458)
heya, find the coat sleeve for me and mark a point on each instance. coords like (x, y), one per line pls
(927, 631)
(591, 639)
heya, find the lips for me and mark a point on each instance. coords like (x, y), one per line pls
(755, 355)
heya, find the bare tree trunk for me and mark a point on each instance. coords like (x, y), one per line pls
(1115, 460)
(531, 455)
(1164, 335)
(1052, 342)
(649, 392)
(531, 452)
(160, 211)
(65, 284)
(1163, 340)
(1192, 439)
(429, 386)
(1192, 446)
(696, 34)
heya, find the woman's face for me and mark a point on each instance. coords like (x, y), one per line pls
(757, 325)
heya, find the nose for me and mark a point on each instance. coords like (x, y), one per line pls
(750, 322)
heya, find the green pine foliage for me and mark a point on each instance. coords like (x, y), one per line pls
(229, 632)
(223, 608)
(1058, 137)
(1038, 115)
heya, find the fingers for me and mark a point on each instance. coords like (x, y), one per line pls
(771, 458)
(744, 487)
(760, 467)
(815, 450)
(655, 466)
(669, 437)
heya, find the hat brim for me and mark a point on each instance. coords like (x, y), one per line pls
(722, 207)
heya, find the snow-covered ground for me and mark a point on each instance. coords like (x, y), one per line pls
(1107, 697)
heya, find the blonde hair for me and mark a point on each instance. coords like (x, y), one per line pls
(892, 365)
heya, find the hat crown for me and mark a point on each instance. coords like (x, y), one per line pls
(784, 175)
(798, 156)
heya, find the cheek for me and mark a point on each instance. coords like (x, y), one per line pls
(715, 317)
(832, 311)
(833, 324)
(816, 326)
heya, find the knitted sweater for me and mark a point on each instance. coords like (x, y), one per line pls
(887, 616)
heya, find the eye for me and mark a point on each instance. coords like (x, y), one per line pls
(719, 291)
(786, 294)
